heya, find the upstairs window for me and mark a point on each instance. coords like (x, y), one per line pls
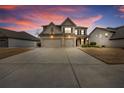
(76, 32)
(67, 30)
(82, 32)
(79, 32)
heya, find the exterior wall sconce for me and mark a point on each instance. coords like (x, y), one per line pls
(51, 36)
(106, 34)
(69, 36)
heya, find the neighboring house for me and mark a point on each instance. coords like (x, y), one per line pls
(68, 34)
(9, 38)
(109, 37)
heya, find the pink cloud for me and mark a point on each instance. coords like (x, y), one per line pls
(121, 9)
(23, 22)
(8, 7)
(26, 25)
(62, 9)
(16, 21)
(88, 21)
(20, 24)
(35, 18)
(52, 17)
(45, 17)
(121, 16)
(7, 20)
(68, 9)
(21, 28)
(17, 28)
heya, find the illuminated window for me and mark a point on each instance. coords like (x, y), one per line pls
(106, 34)
(67, 30)
(75, 32)
(82, 32)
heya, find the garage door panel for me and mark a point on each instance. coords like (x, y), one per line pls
(69, 43)
(3, 43)
(52, 43)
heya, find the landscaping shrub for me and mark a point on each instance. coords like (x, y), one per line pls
(103, 46)
(85, 45)
(39, 44)
(93, 43)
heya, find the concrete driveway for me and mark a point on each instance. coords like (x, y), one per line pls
(58, 67)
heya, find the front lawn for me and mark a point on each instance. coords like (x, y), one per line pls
(6, 52)
(107, 55)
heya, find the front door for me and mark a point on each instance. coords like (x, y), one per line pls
(78, 42)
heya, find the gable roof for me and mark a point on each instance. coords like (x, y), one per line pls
(120, 27)
(119, 34)
(51, 24)
(68, 20)
(116, 28)
(5, 33)
(104, 29)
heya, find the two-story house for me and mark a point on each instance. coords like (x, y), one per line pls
(67, 34)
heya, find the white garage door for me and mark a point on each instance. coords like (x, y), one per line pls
(52, 43)
(69, 43)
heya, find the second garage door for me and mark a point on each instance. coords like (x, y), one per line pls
(69, 43)
(52, 43)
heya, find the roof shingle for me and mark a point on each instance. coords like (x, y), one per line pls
(119, 34)
(17, 35)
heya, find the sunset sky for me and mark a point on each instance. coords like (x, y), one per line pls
(30, 18)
